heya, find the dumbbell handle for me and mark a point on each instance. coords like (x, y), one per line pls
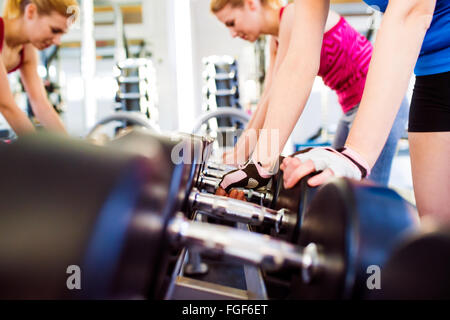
(242, 246)
(240, 211)
(210, 185)
(220, 167)
(214, 173)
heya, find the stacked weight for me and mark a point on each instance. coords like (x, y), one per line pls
(137, 87)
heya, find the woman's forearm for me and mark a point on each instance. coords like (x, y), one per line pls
(248, 139)
(247, 142)
(48, 117)
(17, 119)
(257, 120)
(290, 94)
(293, 81)
(395, 54)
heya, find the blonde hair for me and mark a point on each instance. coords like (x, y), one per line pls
(217, 5)
(15, 8)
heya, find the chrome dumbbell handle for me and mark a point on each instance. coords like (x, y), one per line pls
(214, 173)
(210, 185)
(220, 167)
(240, 211)
(243, 246)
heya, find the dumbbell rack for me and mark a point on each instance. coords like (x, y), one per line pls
(137, 87)
(221, 90)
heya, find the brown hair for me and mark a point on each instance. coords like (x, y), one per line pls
(15, 8)
(217, 5)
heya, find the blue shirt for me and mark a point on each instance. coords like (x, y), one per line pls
(435, 53)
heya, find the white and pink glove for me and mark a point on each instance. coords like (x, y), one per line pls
(338, 163)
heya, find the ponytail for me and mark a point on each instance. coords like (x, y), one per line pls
(15, 8)
(11, 9)
(217, 5)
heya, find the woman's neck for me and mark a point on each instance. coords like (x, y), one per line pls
(15, 32)
(271, 21)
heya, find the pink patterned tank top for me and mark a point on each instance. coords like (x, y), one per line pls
(344, 62)
(2, 36)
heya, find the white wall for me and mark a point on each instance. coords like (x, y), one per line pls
(211, 37)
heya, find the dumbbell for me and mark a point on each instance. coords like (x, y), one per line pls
(418, 268)
(213, 173)
(78, 198)
(72, 206)
(281, 221)
(275, 197)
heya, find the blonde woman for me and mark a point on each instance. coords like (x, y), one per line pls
(28, 26)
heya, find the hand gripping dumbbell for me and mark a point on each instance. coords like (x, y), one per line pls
(210, 178)
(281, 218)
(289, 203)
(194, 152)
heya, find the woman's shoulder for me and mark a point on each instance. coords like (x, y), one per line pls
(288, 17)
(29, 53)
(289, 10)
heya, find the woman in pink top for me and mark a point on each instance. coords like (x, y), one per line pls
(28, 26)
(344, 63)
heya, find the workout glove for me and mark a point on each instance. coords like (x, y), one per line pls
(344, 162)
(249, 176)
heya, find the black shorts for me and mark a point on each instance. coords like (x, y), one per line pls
(430, 104)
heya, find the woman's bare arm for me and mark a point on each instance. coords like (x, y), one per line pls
(247, 141)
(36, 93)
(396, 50)
(294, 79)
(16, 118)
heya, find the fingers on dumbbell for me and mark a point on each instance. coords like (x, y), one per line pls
(321, 178)
(241, 196)
(283, 165)
(221, 192)
(233, 193)
(301, 171)
(237, 194)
